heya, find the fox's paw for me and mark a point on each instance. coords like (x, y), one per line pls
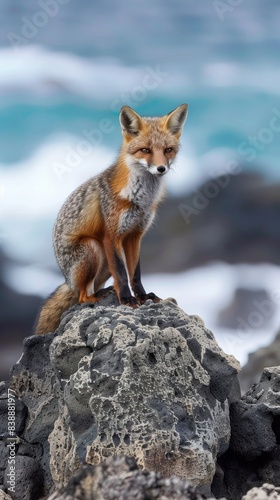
(148, 296)
(129, 301)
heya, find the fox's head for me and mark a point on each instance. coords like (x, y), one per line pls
(152, 142)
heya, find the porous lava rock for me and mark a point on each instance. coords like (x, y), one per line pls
(149, 383)
(118, 478)
(254, 453)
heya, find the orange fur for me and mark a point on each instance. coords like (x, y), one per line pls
(120, 179)
(91, 225)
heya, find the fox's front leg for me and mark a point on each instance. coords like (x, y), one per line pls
(132, 250)
(138, 288)
(116, 259)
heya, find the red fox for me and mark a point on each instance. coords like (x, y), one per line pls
(99, 228)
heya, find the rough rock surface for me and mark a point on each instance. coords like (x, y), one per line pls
(36, 410)
(254, 452)
(4, 496)
(119, 478)
(151, 383)
(258, 360)
(266, 492)
(257, 415)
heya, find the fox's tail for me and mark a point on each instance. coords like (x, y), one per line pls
(60, 300)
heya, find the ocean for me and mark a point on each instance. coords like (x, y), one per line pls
(67, 67)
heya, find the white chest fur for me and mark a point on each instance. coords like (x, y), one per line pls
(135, 218)
(143, 188)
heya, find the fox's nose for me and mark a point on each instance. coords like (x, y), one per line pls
(161, 169)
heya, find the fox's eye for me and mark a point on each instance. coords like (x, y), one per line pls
(145, 150)
(168, 150)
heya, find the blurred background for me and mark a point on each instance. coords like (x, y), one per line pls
(66, 68)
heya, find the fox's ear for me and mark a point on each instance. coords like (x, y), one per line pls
(175, 119)
(130, 121)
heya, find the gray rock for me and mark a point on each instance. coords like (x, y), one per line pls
(3, 459)
(255, 419)
(151, 383)
(265, 492)
(36, 411)
(254, 452)
(257, 361)
(20, 411)
(246, 302)
(28, 481)
(32, 380)
(118, 478)
(4, 496)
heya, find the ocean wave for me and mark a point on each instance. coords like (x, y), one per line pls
(32, 191)
(259, 75)
(40, 70)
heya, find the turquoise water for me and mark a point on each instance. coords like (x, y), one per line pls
(87, 59)
(214, 121)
